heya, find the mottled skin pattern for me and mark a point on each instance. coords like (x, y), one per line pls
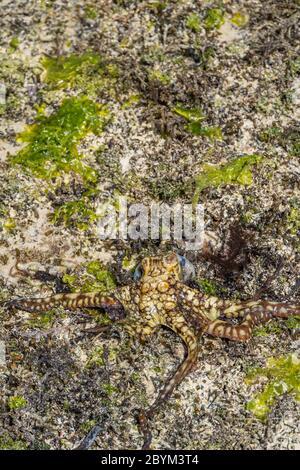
(161, 298)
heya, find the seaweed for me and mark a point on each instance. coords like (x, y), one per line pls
(195, 117)
(14, 43)
(93, 279)
(214, 18)
(208, 286)
(240, 19)
(16, 402)
(237, 171)
(90, 12)
(87, 72)
(293, 220)
(283, 374)
(158, 76)
(79, 213)
(52, 140)
(193, 22)
(8, 443)
(288, 138)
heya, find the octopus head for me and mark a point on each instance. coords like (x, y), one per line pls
(174, 265)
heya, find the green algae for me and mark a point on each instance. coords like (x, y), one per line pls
(87, 72)
(190, 114)
(289, 139)
(237, 171)
(7, 443)
(158, 6)
(131, 101)
(90, 12)
(14, 43)
(207, 286)
(166, 189)
(205, 56)
(109, 389)
(153, 55)
(94, 278)
(129, 263)
(16, 402)
(240, 19)
(210, 287)
(268, 135)
(293, 220)
(158, 76)
(293, 322)
(283, 375)
(193, 22)
(212, 133)
(52, 141)
(96, 358)
(9, 224)
(295, 66)
(266, 330)
(64, 70)
(195, 117)
(79, 213)
(12, 71)
(88, 425)
(214, 18)
(104, 280)
(43, 321)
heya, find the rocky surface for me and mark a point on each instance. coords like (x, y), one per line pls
(237, 62)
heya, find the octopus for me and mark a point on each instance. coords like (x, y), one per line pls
(160, 297)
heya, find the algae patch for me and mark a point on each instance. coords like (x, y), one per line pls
(79, 213)
(158, 76)
(88, 72)
(103, 279)
(240, 19)
(195, 117)
(44, 321)
(193, 22)
(7, 443)
(289, 139)
(268, 329)
(16, 402)
(14, 43)
(90, 13)
(238, 171)
(94, 278)
(190, 114)
(214, 18)
(9, 225)
(207, 286)
(98, 357)
(293, 220)
(13, 73)
(283, 376)
(52, 141)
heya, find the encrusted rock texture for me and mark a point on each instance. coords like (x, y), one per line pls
(239, 63)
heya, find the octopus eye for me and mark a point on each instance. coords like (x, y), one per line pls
(138, 273)
(187, 268)
(182, 260)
